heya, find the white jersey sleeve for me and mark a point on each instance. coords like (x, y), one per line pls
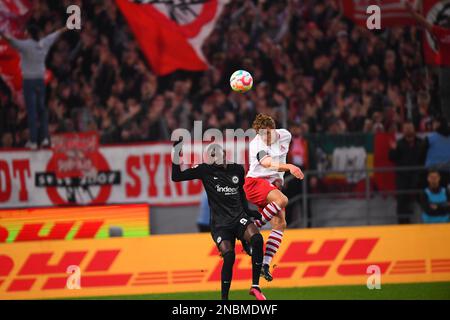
(258, 150)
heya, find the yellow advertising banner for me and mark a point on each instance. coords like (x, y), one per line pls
(190, 262)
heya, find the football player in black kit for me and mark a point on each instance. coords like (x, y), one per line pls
(230, 215)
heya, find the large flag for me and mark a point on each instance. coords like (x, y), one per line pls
(434, 11)
(393, 12)
(171, 33)
(13, 16)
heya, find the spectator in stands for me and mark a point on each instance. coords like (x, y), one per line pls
(33, 52)
(435, 200)
(437, 145)
(422, 114)
(7, 140)
(359, 84)
(441, 34)
(407, 152)
(298, 156)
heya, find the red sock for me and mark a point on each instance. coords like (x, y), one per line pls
(269, 211)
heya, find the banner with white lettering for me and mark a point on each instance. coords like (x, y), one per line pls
(122, 174)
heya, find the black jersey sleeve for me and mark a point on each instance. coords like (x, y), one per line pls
(188, 174)
(251, 213)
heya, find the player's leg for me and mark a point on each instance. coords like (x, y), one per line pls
(271, 210)
(226, 248)
(252, 236)
(270, 200)
(278, 224)
(276, 237)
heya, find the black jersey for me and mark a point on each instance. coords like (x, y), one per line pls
(224, 187)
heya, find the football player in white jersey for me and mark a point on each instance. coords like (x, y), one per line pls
(268, 151)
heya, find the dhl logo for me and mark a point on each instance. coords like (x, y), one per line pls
(53, 223)
(317, 264)
(97, 265)
(59, 231)
(37, 264)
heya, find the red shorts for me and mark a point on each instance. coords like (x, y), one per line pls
(257, 189)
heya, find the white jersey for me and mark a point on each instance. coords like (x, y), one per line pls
(277, 151)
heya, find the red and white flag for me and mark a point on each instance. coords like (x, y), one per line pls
(434, 11)
(13, 17)
(171, 32)
(393, 12)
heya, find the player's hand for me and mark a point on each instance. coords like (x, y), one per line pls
(296, 172)
(176, 142)
(178, 150)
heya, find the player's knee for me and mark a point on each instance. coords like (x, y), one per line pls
(229, 257)
(280, 225)
(257, 241)
(282, 201)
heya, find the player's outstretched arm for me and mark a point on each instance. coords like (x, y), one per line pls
(188, 174)
(267, 162)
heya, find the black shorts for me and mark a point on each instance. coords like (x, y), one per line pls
(231, 233)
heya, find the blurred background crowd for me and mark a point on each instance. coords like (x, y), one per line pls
(313, 70)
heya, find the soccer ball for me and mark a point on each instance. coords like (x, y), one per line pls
(241, 81)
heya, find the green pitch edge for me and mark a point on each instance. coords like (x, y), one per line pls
(410, 291)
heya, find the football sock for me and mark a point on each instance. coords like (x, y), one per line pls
(227, 273)
(272, 245)
(257, 243)
(269, 211)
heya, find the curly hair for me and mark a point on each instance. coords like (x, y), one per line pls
(263, 121)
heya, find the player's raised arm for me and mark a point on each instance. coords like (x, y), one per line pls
(188, 174)
(267, 162)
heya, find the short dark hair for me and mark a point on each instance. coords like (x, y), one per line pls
(263, 121)
(433, 170)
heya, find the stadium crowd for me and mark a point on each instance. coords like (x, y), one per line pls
(312, 68)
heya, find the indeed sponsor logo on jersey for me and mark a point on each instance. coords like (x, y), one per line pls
(228, 191)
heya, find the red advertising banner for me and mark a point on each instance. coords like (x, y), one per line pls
(76, 154)
(119, 174)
